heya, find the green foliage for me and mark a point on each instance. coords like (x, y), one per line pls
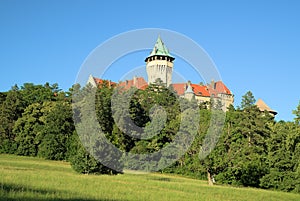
(103, 107)
(248, 100)
(2, 97)
(11, 109)
(92, 136)
(58, 127)
(82, 161)
(43, 130)
(297, 113)
(283, 158)
(15, 102)
(27, 130)
(251, 148)
(240, 155)
(38, 93)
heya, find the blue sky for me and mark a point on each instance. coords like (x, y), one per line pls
(254, 44)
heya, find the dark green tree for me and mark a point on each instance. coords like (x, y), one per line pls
(58, 127)
(240, 155)
(32, 93)
(283, 158)
(248, 100)
(2, 97)
(16, 100)
(81, 161)
(103, 107)
(11, 109)
(92, 136)
(296, 112)
(27, 130)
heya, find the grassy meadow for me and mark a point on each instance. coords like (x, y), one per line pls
(27, 178)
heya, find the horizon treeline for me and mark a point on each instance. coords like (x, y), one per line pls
(253, 149)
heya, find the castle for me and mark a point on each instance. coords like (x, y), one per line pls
(159, 65)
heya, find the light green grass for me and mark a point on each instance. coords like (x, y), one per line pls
(25, 178)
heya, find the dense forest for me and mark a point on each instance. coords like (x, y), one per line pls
(252, 150)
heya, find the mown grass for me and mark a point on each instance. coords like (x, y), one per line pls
(26, 178)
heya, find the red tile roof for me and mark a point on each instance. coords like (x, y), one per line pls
(100, 81)
(138, 82)
(218, 88)
(179, 88)
(214, 88)
(199, 90)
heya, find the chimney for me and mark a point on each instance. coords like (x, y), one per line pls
(212, 84)
(135, 81)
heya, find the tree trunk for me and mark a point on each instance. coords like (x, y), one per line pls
(210, 182)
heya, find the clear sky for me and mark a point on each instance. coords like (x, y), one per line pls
(255, 44)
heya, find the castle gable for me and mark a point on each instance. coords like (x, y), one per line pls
(218, 87)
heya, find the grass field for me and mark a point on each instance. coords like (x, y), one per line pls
(25, 178)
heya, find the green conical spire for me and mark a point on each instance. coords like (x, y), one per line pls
(160, 48)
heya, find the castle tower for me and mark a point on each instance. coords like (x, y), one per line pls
(159, 64)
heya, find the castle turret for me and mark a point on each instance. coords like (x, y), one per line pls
(159, 64)
(189, 93)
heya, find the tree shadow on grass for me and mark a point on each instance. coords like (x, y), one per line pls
(161, 179)
(9, 192)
